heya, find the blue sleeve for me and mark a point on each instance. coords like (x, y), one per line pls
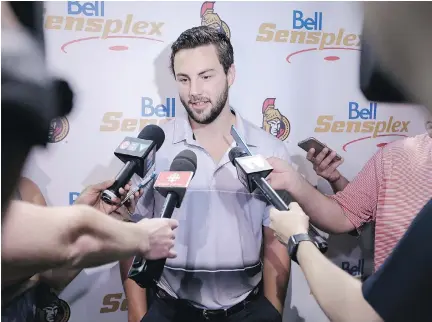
(401, 290)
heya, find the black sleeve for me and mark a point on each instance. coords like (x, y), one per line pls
(401, 290)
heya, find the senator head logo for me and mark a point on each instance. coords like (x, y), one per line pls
(211, 19)
(59, 129)
(274, 122)
(56, 311)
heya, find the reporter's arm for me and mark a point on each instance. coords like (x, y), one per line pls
(399, 291)
(58, 278)
(339, 184)
(75, 236)
(276, 271)
(136, 296)
(340, 213)
(338, 293)
(325, 213)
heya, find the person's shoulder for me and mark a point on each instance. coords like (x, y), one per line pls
(27, 185)
(408, 147)
(30, 191)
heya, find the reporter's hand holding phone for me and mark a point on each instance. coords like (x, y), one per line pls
(325, 164)
(91, 196)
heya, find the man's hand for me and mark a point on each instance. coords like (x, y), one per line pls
(91, 196)
(325, 166)
(282, 172)
(160, 237)
(289, 223)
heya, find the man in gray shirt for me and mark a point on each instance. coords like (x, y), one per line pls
(219, 272)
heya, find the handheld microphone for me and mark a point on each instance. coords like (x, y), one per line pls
(172, 185)
(138, 154)
(240, 142)
(252, 171)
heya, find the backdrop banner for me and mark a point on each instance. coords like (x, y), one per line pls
(297, 77)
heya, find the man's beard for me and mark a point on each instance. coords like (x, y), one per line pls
(215, 110)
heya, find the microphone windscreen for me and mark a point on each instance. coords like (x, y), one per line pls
(236, 152)
(186, 160)
(376, 84)
(153, 133)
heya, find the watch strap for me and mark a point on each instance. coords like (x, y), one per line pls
(293, 243)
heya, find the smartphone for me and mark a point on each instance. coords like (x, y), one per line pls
(312, 142)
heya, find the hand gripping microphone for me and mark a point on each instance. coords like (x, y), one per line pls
(172, 185)
(252, 171)
(138, 155)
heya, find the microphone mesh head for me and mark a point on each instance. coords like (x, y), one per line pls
(153, 133)
(236, 152)
(186, 160)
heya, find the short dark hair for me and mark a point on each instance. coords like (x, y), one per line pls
(202, 36)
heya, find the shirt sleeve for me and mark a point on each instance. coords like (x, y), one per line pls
(401, 289)
(359, 199)
(283, 154)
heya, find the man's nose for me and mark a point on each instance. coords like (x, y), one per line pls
(195, 88)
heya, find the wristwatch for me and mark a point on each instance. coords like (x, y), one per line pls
(293, 243)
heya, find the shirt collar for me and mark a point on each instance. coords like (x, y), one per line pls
(183, 130)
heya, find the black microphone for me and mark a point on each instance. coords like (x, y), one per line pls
(138, 154)
(252, 171)
(376, 84)
(172, 185)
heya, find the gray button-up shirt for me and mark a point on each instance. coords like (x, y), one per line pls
(219, 237)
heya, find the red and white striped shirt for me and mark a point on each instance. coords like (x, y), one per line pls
(391, 189)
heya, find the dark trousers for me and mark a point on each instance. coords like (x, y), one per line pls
(258, 310)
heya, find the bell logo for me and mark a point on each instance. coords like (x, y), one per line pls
(363, 120)
(306, 29)
(211, 19)
(274, 122)
(89, 17)
(151, 113)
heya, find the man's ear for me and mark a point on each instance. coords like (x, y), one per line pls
(231, 75)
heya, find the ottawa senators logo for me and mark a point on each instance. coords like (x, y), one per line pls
(59, 129)
(273, 121)
(211, 19)
(56, 311)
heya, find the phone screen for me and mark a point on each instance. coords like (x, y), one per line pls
(312, 143)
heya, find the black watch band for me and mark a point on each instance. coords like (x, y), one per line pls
(293, 243)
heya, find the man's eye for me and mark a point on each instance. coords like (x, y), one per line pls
(206, 77)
